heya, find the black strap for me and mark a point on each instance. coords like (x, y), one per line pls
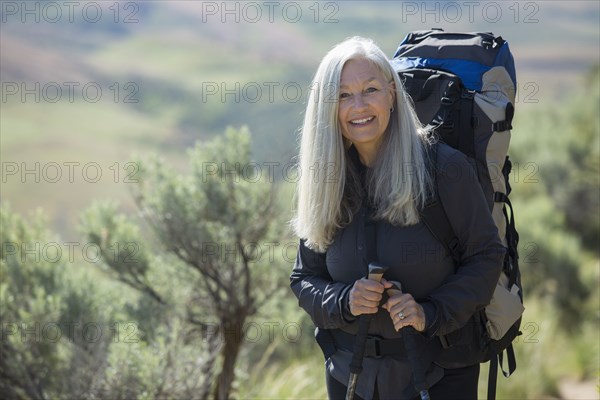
(436, 220)
(374, 347)
(501, 126)
(453, 122)
(443, 124)
(492, 378)
(434, 216)
(506, 124)
(512, 238)
(511, 261)
(498, 359)
(510, 359)
(506, 170)
(465, 128)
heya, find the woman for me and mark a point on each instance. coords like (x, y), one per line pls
(360, 128)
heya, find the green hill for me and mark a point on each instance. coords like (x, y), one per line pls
(170, 73)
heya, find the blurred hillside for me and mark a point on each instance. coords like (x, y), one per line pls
(83, 92)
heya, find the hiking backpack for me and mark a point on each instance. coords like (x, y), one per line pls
(463, 88)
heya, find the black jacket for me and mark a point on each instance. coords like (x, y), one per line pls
(449, 294)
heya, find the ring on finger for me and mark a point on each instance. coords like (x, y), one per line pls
(401, 315)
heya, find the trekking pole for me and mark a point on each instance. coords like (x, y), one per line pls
(375, 273)
(408, 333)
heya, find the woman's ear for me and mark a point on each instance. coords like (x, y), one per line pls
(392, 89)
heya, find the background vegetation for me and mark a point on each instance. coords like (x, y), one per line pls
(108, 287)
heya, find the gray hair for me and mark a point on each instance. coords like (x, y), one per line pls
(398, 182)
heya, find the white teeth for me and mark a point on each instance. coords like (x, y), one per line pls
(362, 121)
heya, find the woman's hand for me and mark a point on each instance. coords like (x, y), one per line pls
(405, 311)
(365, 296)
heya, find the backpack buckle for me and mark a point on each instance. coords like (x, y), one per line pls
(467, 94)
(447, 101)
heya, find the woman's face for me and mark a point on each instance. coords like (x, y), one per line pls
(365, 102)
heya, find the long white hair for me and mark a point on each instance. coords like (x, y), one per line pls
(329, 190)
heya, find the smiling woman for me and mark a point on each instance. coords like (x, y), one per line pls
(369, 134)
(369, 115)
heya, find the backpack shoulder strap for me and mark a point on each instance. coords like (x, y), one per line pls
(433, 214)
(435, 218)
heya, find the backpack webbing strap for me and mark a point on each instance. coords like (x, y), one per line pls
(492, 378)
(511, 261)
(467, 138)
(495, 361)
(442, 124)
(506, 124)
(511, 264)
(514, 236)
(510, 359)
(498, 359)
(434, 216)
(453, 123)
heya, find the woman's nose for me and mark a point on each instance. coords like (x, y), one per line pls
(358, 101)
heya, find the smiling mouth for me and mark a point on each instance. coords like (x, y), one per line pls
(362, 121)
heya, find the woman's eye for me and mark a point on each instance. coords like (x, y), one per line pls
(344, 95)
(371, 90)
